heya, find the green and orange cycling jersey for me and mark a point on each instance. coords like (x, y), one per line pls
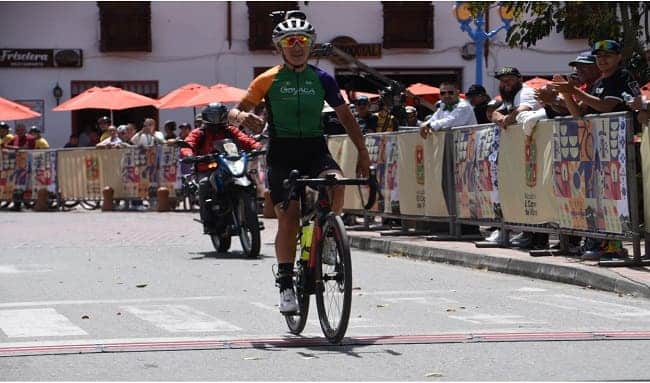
(294, 100)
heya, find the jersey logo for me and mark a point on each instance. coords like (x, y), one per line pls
(295, 91)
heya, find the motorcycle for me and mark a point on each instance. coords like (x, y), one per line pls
(233, 200)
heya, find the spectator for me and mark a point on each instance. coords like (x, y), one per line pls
(367, 121)
(5, 134)
(608, 94)
(386, 122)
(73, 142)
(185, 130)
(479, 99)
(517, 98)
(198, 121)
(330, 122)
(412, 117)
(146, 136)
(452, 111)
(131, 130)
(21, 140)
(113, 140)
(585, 75)
(103, 123)
(123, 134)
(491, 107)
(170, 130)
(39, 141)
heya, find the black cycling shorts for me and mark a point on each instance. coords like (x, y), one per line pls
(310, 156)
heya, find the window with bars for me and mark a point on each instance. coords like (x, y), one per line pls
(260, 24)
(408, 24)
(125, 26)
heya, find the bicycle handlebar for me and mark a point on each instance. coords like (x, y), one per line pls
(330, 180)
(213, 156)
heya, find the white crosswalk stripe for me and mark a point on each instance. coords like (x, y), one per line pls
(180, 318)
(37, 323)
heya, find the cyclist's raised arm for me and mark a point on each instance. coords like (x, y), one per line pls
(354, 131)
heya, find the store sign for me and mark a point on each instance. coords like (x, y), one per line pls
(351, 47)
(40, 58)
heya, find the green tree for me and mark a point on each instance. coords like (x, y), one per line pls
(626, 22)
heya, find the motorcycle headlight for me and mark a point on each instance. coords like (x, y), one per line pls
(236, 167)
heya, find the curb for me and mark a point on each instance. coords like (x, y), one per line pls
(596, 279)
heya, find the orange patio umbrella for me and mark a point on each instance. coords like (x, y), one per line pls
(537, 82)
(110, 97)
(420, 89)
(179, 97)
(10, 111)
(217, 93)
(356, 94)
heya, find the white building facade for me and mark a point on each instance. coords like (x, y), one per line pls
(208, 43)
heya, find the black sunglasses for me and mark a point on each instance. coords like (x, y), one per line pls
(451, 92)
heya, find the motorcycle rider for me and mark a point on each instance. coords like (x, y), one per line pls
(202, 141)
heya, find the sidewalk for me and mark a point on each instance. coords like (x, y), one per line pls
(623, 280)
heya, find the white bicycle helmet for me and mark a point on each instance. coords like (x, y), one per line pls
(293, 26)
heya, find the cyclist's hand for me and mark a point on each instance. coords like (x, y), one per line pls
(252, 122)
(363, 163)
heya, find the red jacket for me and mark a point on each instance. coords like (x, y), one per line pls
(206, 139)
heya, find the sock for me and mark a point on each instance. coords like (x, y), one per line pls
(285, 274)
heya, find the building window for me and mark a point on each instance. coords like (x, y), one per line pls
(260, 24)
(125, 26)
(408, 24)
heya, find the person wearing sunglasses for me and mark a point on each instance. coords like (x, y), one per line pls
(452, 111)
(295, 92)
(608, 94)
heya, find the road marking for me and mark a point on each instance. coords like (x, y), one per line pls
(531, 290)
(265, 306)
(590, 306)
(12, 269)
(495, 319)
(180, 318)
(108, 301)
(36, 322)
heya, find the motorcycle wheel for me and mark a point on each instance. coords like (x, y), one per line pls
(249, 226)
(221, 242)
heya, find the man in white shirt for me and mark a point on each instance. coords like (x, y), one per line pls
(516, 97)
(452, 111)
(518, 100)
(147, 136)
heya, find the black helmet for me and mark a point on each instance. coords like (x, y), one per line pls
(215, 113)
(4, 125)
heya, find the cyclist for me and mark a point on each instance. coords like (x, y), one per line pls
(202, 141)
(294, 93)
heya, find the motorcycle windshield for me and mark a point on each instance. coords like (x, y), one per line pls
(227, 147)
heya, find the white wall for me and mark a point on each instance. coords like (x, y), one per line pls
(189, 45)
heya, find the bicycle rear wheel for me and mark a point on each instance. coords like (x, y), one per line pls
(334, 280)
(296, 322)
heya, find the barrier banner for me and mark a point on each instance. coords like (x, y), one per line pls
(590, 174)
(525, 172)
(420, 174)
(140, 171)
(384, 154)
(43, 170)
(345, 154)
(168, 167)
(645, 172)
(14, 171)
(475, 154)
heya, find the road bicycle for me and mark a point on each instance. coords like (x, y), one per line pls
(324, 267)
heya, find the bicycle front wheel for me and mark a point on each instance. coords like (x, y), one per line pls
(334, 279)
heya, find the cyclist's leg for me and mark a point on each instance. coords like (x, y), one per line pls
(326, 165)
(285, 238)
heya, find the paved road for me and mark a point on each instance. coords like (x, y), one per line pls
(107, 283)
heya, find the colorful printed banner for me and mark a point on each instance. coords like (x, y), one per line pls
(168, 166)
(475, 153)
(140, 171)
(43, 170)
(14, 172)
(590, 174)
(525, 174)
